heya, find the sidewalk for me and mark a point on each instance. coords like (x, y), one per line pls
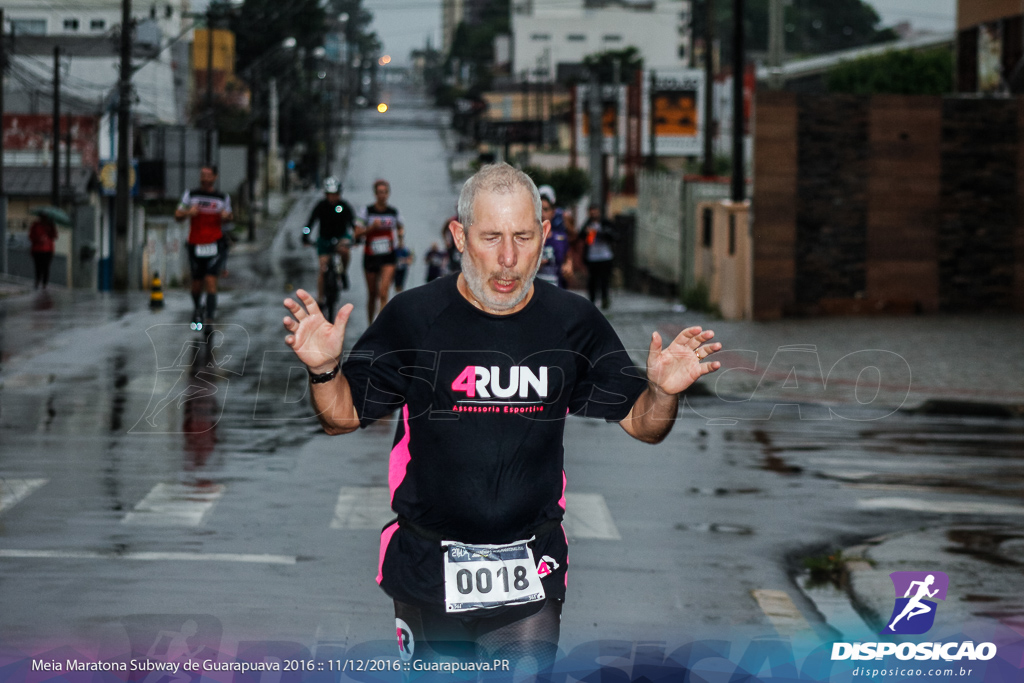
(266, 227)
(13, 286)
(954, 364)
(982, 562)
(957, 365)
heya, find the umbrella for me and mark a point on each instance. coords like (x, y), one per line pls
(53, 213)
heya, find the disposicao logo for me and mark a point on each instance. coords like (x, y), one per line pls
(914, 612)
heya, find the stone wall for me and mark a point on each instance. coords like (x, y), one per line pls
(887, 204)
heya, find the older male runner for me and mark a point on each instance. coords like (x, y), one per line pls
(484, 366)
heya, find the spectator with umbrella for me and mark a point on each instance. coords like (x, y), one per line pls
(42, 235)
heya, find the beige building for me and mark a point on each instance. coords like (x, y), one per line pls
(990, 46)
(723, 256)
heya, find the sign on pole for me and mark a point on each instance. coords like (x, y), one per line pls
(678, 101)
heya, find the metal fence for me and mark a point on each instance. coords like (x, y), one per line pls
(667, 225)
(659, 218)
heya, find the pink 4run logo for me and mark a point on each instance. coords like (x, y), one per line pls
(916, 592)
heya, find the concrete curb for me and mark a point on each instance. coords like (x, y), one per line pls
(982, 562)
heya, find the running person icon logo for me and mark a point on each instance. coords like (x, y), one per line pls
(914, 613)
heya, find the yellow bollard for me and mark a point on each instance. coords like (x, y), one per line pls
(156, 293)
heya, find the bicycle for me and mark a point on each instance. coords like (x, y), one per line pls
(331, 286)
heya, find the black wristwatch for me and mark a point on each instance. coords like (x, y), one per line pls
(325, 377)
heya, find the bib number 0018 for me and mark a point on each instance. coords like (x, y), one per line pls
(489, 576)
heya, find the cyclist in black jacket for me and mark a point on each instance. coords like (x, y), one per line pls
(337, 220)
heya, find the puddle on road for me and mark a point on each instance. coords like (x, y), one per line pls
(984, 544)
(834, 605)
(723, 492)
(772, 462)
(119, 394)
(715, 528)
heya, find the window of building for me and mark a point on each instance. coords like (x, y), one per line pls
(732, 234)
(540, 36)
(71, 24)
(612, 37)
(29, 27)
(97, 24)
(577, 37)
(709, 218)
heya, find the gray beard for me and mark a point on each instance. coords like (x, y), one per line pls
(477, 284)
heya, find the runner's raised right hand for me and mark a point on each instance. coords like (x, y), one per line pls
(314, 340)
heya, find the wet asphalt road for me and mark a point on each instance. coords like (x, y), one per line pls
(152, 477)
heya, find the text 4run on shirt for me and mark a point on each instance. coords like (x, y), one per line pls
(483, 383)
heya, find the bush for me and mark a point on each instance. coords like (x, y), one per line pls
(824, 569)
(570, 183)
(698, 298)
(904, 72)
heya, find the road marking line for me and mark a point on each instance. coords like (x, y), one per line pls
(783, 615)
(946, 507)
(13, 491)
(368, 507)
(362, 507)
(147, 556)
(587, 516)
(175, 505)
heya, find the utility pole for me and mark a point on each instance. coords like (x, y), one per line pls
(708, 168)
(596, 143)
(776, 44)
(67, 154)
(272, 136)
(124, 96)
(211, 118)
(3, 192)
(653, 132)
(616, 77)
(738, 71)
(55, 169)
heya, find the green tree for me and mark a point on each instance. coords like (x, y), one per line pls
(903, 72)
(811, 26)
(604, 63)
(262, 25)
(473, 43)
(569, 183)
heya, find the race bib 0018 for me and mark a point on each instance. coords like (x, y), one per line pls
(206, 250)
(489, 576)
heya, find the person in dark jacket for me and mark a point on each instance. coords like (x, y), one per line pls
(598, 237)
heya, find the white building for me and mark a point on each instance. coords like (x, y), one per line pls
(84, 30)
(89, 17)
(546, 33)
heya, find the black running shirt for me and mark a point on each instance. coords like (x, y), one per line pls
(478, 451)
(477, 454)
(336, 219)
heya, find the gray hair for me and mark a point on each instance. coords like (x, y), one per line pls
(499, 178)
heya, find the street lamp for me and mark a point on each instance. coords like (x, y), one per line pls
(249, 74)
